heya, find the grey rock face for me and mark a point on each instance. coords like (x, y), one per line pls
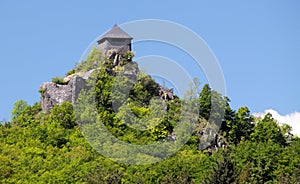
(165, 93)
(56, 94)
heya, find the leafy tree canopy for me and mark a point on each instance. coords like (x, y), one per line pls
(37, 147)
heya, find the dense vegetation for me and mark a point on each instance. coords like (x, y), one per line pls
(38, 147)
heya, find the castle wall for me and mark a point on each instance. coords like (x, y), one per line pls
(56, 94)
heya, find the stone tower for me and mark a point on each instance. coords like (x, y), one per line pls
(113, 41)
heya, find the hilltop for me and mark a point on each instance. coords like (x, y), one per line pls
(48, 142)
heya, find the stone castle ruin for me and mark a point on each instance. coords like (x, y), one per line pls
(113, 45)
(55, 94)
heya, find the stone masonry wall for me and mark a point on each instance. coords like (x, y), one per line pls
(56, 94)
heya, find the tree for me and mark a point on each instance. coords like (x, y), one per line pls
(240, 127)
(143, 90)
(24, 114)
(64, 115)
(266, 130)
(258, 161)
(205, 102)
(225, 172)
(19, 107)
(49, 148)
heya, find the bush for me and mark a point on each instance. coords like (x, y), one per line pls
(64, 115)
(42, 91)
(92, 61)
(129, 55)
(59, 80)
(70, 72)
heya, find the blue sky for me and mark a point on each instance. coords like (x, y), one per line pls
(257, 44)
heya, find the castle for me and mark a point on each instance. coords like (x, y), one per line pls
(114, 41)
(113, 45)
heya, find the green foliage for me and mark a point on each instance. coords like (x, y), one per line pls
(224, 172)
(49, 148)
(267, 130)
(93, 61)
(240, 126)
(42, 92)
(19, 107)
(70, 72)
(63, 115)
(38, 147)
(258, 161)
(144, 89)
(213, 106)
(205, 102)
(128, 109)
(187, 166)
(128, 56)
(24, 114)
(59, 80)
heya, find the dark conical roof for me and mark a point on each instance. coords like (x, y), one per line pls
(115, 32)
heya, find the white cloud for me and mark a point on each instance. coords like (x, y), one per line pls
(292, 119)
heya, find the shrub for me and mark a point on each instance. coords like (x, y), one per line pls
(129, 55)
(64, 115)
(92, 61)
(59, 80)
(42, 91)
(70, 72)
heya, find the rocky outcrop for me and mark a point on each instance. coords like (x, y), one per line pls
(55, 94)
(165, 93)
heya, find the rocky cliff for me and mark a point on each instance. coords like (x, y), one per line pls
(55, 94)
(68, 90)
